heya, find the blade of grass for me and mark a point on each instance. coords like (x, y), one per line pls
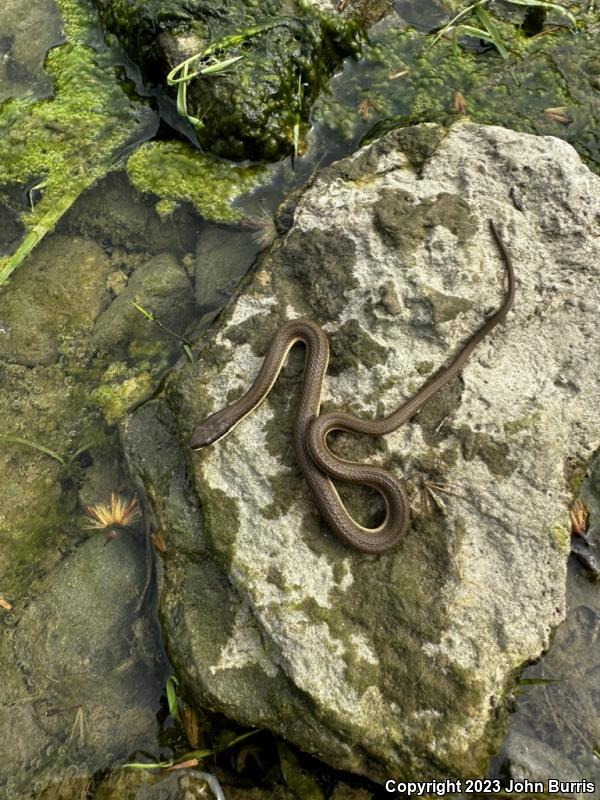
(455, 19)
(192, 754)
(455, 43)
(488, 24)
(204, 753)
(34, 446)
(171, 692)
(150, 316)
(180, 75)
(478, 33)
(232, 39)
(188, 352)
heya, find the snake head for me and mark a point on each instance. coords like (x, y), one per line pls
(210, 431)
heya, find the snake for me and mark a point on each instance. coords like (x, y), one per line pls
(318, 464)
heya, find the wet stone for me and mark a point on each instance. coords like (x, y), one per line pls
(40, 305)
(27, 32)
(162, 287)
(69, 693)
(222, 258)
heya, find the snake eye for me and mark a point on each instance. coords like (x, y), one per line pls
(203, 435)
(209, 431)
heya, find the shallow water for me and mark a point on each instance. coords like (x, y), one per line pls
(76, 381)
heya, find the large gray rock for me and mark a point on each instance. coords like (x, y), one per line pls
(398, 664)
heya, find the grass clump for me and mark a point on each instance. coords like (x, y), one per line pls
(485, 27)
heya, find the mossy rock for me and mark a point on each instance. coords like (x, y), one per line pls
(250, 110)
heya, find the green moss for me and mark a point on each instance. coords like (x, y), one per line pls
(557, 69)
(561, 537)
(69, 140)
(175, 171)
(119, 390)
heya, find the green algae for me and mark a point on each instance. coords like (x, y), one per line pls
(403, 79)
(280, 55)
(176, 172)
(68, 141)
(561, 537)
(120, 390)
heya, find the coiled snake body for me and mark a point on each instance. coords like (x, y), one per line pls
(316, 461)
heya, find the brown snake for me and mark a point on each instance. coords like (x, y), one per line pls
(316, 461)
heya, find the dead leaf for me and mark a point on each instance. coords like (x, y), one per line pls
(158, 540)
(5, 604)
(558, 114)
(460, 104)
(403, 72)
(191, 762)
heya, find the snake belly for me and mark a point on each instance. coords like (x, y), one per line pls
(316, 461)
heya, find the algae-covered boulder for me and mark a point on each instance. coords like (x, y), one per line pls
(286, 52)
(396, 664)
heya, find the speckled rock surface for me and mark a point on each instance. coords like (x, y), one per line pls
(398, 664)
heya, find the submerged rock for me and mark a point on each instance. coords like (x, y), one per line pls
(160, 286)
(398, 664)
(26, 35)
(53, 301)
(81, 678)
(287, 51)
